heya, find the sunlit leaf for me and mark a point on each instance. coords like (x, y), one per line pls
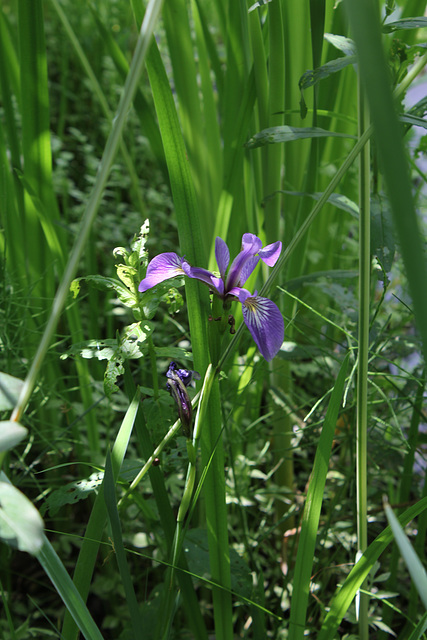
(21, 525)
(10, 388)
(11, 433)
(273, 135)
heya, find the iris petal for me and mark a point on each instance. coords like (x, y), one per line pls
(271, 253)
(205, 276)
(162, 267)
(250, 247)
(265, 323)
(222, 255)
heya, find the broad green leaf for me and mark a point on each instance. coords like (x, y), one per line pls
(11, 433)
(10, 388)
(273, 135)
(21, 525)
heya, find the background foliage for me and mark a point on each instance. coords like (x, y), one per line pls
(116, 146)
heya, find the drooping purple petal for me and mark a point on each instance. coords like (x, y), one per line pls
(162, 267)
(216, 284)
(250, 247)
(222, 255)
(271, 253)
(265, 322)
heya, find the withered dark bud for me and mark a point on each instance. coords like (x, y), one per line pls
(232, 323)
(179, 379)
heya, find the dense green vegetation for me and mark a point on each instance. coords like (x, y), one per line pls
(268, 509)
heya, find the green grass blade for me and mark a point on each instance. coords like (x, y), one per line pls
(313, 505)
(119, 549)
(90, 546)
(415, 567)
(345, 594)
(65, 587)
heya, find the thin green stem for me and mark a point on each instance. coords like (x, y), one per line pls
(363, 354)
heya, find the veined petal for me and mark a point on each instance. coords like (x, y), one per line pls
(251, 244)
(222, 255)
(162, 267)
(205, 276)
(271, 253)
(265, 322)
(247, 269)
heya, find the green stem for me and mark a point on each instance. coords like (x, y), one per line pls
(363, 354)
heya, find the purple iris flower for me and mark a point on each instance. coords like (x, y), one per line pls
(261, 315)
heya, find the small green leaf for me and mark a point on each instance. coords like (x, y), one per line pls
(346, 45)
(405, 23)
(260, 3)
(105, 284)
(11, 433)
(312, 77)
(382, 231)
(21, 525)
(273, 135)
(10, 389)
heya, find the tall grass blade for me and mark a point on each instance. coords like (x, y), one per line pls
(313, 505)
(65, 587)
(415, 567)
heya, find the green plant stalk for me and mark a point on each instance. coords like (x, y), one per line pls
(363, 353)
(312, 509)
(147, 28)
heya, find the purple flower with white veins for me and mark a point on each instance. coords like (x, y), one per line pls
(261, 315)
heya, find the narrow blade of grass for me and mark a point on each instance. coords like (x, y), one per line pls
(313, 505)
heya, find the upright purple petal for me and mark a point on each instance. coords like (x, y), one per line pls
(216, 284)
(250, 247)
(265, 322)
(271, 253)
(222, 255)
(162, 267)
(247, 269)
